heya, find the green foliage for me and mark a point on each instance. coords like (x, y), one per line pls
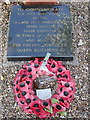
(63, 113)
(48, 110)
(54, 100)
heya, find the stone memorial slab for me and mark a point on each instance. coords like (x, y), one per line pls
(37, 29)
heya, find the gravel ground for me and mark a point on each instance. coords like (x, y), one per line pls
(80, 106)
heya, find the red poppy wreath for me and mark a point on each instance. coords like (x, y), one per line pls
(25, 94)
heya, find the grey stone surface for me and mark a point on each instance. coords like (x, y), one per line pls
(80, 106)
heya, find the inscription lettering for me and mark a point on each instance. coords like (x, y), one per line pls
(39, 18)
(16, 45)
(29, 31)
(32, 13)
(25, 35)
(31, 26)
(31, 45)
(20, 22)
(28, 22)
(24, 50)
(46, 31)
(49, 45)
(30, 40)
(40, 9)
(20, 13)
(45, 50)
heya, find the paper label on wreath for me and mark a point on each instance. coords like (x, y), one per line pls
(44, 94)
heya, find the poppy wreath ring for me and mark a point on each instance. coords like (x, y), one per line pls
(26, 97)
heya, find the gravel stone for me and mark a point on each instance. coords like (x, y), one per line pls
(80, 72)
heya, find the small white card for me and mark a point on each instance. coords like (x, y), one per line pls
(44, 94)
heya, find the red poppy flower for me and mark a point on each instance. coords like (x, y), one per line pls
(44, 114)
(65, 92)
(21, 71)
(28, 110)
(58, 108)
(46, 103)
(61, 100)
(53, 66)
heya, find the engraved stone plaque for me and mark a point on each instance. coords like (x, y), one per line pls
(38, 29)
